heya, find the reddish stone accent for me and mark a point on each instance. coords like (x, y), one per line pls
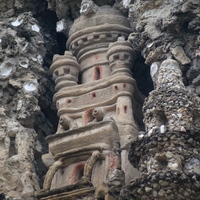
(88, 116)
(114, 162)
(93, 95)
(56, 73)
(116, 88)
(57, 105)
(77, 172)
(68, 101)
(66, 70)
(97, 73)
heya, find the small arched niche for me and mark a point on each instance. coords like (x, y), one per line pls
(78, 172)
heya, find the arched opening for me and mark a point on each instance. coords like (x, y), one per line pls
(141, 73)
(125, 109)
(162, 161)
(12, 148)
(78, 172)
(93, 95)
(162, 119)
(116, 88)
(97, 73)
(66, 70)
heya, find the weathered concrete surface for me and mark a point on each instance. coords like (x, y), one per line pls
(160, 30)
(25, 90)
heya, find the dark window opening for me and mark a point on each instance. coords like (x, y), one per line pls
(125, 109)
(12, 148)
(79, 78)
(141, 73)
(61, 40)
(69, 101)
(162, 161)
(97, 73)
(162, 164)
(80, 173)
(88, 116)
(96, 36)
(93, 94)
(162, 119)
(104, 2)
(66, 70)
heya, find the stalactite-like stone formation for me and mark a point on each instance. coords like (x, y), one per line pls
(167, 154)
(170, 106)
(99, 106)
(23, 86)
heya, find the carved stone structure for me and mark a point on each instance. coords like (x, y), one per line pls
(23, 83)
(97, 115)
(106, 141)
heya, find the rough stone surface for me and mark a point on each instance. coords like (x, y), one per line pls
(163, 41)
(26, 92)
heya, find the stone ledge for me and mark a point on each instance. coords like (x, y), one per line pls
(70, 192)
(177, 143)
(101, 134)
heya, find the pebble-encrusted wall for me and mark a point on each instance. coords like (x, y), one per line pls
(26, 91)
(166, 154)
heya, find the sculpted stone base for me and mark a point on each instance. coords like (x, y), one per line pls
(163, 186)
(87, 155)
(169, 165)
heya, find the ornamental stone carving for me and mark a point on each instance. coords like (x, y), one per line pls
(96, 99)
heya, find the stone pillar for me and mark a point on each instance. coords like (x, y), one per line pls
(167, 155)
(65, 70)
(121, 57)
(89, 39)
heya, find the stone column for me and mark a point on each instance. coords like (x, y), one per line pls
(167, 154)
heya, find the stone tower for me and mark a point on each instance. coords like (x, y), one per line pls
(100, 129)
(98, 106)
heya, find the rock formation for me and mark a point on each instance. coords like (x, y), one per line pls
(167, 153)
(109, 141)
(25, 97)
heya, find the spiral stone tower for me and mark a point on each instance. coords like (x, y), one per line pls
(98, 105)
